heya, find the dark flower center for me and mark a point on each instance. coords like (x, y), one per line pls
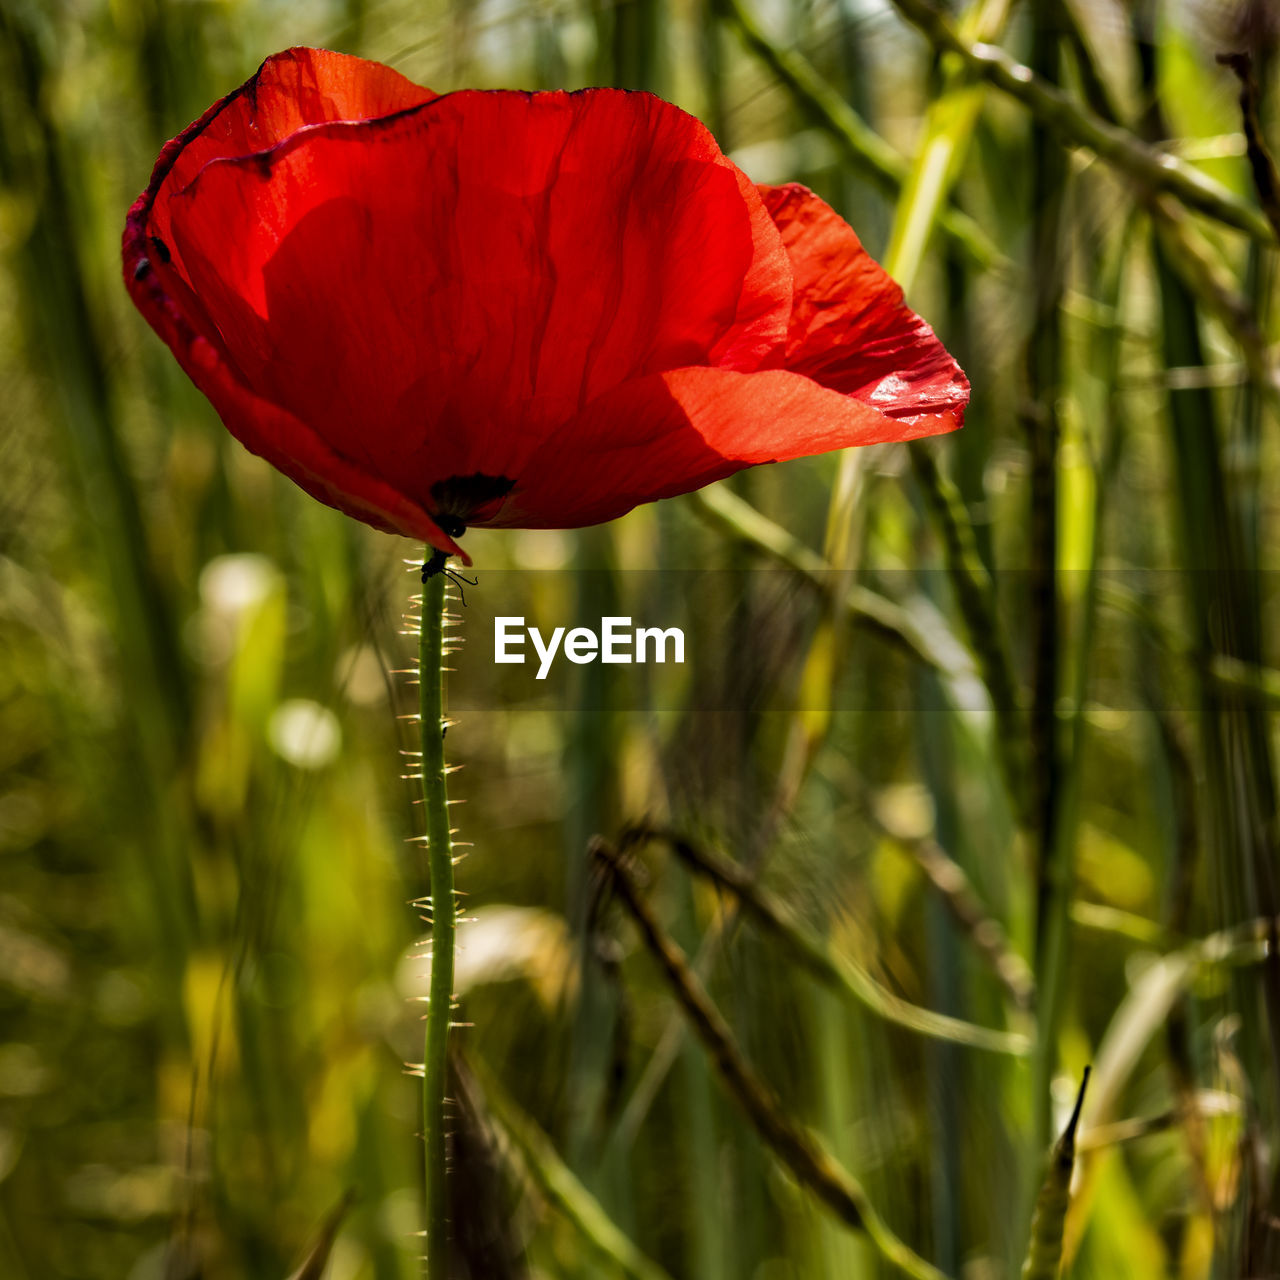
(458, 498)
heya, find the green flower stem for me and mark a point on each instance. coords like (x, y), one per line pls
(443, 917)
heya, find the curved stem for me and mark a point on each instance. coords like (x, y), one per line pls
(440, 1008)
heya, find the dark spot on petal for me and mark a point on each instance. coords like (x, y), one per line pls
(459, 497)
(142, 270)
(161, 250)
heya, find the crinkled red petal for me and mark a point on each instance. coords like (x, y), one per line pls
(674, 432)
(850, 328)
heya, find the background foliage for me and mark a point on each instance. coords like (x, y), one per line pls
(990, 720)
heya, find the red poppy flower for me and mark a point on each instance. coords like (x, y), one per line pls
(511, 309)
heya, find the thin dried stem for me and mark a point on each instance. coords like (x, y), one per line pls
(560, 1185)
(968, 910)
(798, 1149)
(862, 606)
(1265, 177)
(816, 955)
(975, 596)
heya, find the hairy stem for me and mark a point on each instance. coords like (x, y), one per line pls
(440, 852)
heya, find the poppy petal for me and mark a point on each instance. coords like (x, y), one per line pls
(290, 91)
(673, 432)
(435, 293)
(850, 328)
(294, 449)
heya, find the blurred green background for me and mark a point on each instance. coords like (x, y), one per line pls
(991, 719)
